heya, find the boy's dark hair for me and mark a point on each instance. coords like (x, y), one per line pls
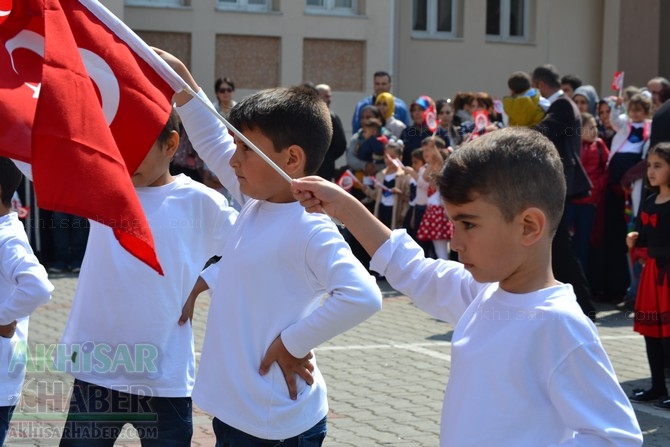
(661, 150)
(10, 179)
(518, 82)
(640, 100)
(548, 74)
(439, 142)
(288, 116)
(573, 81)
(512, 168)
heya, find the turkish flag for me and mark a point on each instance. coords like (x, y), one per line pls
(617, 80)
(83, 103)
(347, 180)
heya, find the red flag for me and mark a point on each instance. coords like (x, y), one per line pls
(347, 180)
(83, 106)
(617, 80)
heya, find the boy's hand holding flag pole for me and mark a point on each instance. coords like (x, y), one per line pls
(83, 100)
(170, 60)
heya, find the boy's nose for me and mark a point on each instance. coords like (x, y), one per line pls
(234, 160)
(455, 243)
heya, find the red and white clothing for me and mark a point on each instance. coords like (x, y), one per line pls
(435, 225)
(652, 304)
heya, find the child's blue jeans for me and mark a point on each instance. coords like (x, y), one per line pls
(227, 436)
(97, 415)
(5, 416)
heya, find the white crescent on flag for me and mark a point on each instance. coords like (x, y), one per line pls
(103, 77)
(27, 39)
(98, 70)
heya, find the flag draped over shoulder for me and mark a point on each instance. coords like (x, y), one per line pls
(83, 99)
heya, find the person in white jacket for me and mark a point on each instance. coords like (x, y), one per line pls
(528, 368)
(24, 286)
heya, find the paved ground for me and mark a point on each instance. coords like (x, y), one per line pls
(386, 378)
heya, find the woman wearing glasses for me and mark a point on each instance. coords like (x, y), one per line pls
(224, 88)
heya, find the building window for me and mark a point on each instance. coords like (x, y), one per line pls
(158, 3)
(253, 61)
(245, 5)
(435, 18)
(338, 63)
(332, 6)
(507, 19)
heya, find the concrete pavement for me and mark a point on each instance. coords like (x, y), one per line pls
(386, 377)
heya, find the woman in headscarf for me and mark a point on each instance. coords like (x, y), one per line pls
(385, 102)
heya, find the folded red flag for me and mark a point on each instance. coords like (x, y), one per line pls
(83, 107)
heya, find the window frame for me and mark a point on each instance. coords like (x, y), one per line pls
(158, 3)
(431, 21)
(243, 5)
(505, 16)
(330, 8)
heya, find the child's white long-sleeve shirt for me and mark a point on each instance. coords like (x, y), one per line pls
(282, 271)
(123, 331)
(24, 285)
(526, 370)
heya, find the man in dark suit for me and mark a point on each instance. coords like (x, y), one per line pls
(562, 125)
(338, 143)
(660, 123)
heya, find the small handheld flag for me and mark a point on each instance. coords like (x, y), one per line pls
(347, 180)
(430, 118)
(617, 81)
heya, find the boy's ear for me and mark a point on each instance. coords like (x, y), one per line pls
(294, 164)
(534, 224)
(171, 144)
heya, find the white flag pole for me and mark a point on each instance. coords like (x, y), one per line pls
(166, 72)
(239, 134)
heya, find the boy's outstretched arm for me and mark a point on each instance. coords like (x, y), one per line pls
(318, 195)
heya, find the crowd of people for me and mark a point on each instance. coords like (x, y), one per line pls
(611, 135)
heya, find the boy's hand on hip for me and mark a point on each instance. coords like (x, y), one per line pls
(8, 330)
(290, 366)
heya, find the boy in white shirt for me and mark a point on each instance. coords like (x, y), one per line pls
(528, 368)
(268, 310)
(24, 286)
(132, 360)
